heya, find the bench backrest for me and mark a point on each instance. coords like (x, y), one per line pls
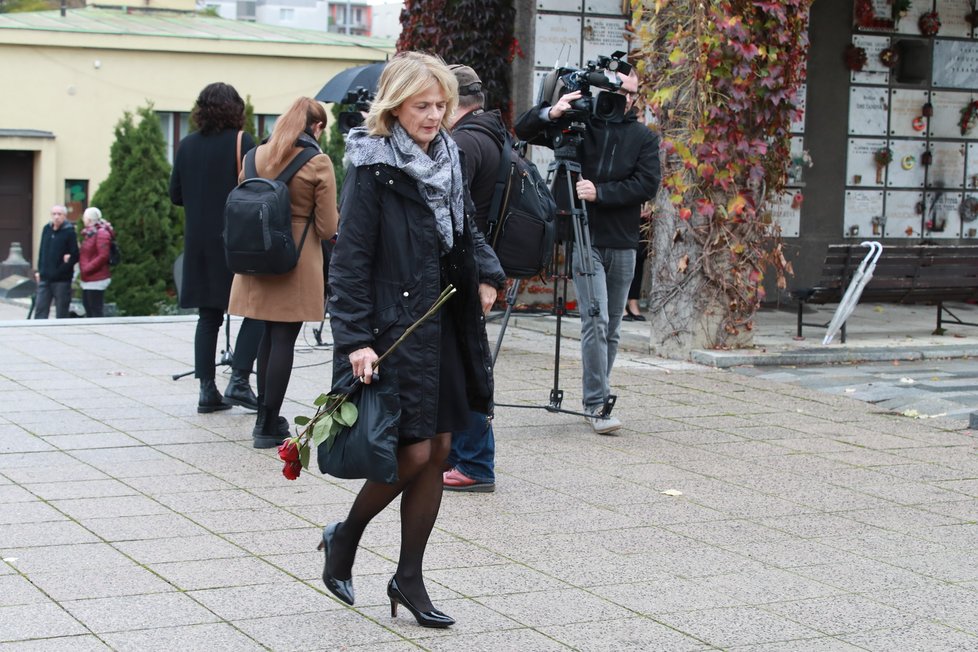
(912, 273)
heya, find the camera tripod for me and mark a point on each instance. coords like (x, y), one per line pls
(572, 226)
(227, 355)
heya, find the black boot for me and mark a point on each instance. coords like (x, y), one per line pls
(270, 429)
(210, 399)
(239, 390)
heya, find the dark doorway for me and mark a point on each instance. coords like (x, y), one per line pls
(16, 201)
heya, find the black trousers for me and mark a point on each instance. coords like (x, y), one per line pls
(205, 343)
(94, 303)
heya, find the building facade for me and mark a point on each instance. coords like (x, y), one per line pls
(68, 80)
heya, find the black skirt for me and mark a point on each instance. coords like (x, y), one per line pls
(453, 404)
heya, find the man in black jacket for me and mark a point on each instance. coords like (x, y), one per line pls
(619, 160)
(480, 135)
(56, 258)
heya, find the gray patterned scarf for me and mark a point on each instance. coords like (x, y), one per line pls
(437, 173)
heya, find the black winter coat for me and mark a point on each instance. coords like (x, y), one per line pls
(203, 174)
(384, 274)
(621, 158)
(51, 265)
(482, 153)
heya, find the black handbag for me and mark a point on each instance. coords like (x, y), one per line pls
(368, 448)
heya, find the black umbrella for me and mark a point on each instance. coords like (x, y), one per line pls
(336, 89)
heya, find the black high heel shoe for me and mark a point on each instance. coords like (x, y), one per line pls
(433, 618)
(342, 589)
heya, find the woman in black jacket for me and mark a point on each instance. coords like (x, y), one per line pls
(205, 171)
(404, 234)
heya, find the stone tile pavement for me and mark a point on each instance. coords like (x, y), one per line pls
(795, 519)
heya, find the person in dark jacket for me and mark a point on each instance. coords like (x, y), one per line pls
(619, 160)
(93, 261)
(480, 135)
(405, 234)
(205, 171)
(56, 258)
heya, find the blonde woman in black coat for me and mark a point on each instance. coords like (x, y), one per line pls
(405, 233)
(205, 171)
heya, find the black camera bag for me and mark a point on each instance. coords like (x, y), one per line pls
(522, 223)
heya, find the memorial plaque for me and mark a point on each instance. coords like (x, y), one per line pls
(881, 8)
(971, 169)
(902, 219)
(867, 111)
(798, 124)
(603, 36)
(942, 217)
(906, 113)
(558, 41)
(910, 22)
(561, 5)
(905, 171)
(953, 22)
(796, 171)
(863, 209)
(611, 7)
(946, 122)
(947, 170)
(969, 219)
(786, 213)
(861, 169)
(874, 72)
(955, 64)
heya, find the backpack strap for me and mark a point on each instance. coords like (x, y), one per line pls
(251, 172)
(502, 178)
(300, 159)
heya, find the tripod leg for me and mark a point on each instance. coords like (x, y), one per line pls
(227, 355)
(510, 303)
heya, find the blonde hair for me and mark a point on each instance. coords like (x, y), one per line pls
(407, 74)
(303, 114)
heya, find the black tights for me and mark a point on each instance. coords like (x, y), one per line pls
(419, 469)
(275, 354)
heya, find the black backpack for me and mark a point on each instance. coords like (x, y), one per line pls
(521, 224)
(258, 220)
(115, 254)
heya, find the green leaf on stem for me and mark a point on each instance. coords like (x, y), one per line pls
(304, 456)
(321, 429)
(347, 414)
(301, 420)
(322, 398)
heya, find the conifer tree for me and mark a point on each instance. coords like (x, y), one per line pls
(135, 199)
(335, 147)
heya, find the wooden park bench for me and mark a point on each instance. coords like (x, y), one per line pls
(913, 274)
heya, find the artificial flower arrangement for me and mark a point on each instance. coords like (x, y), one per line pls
(968, 116)
(929, 23)
(883, 157)
(334, 412)
(855, 57)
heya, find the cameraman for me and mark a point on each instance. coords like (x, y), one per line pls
(619, 160)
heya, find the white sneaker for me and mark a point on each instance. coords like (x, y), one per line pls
(602, 425)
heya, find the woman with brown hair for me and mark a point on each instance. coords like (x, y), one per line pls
(406, 234)
(285, 301)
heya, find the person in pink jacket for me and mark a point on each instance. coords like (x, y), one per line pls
(93, 261)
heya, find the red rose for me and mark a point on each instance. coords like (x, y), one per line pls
(288, 451)
(291, 470)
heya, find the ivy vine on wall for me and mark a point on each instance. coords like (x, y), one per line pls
(476, 33)
(722, 80)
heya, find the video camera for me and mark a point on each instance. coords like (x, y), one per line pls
(360, 98)
(606, 106)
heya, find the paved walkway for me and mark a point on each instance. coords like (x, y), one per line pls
(732, 512)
